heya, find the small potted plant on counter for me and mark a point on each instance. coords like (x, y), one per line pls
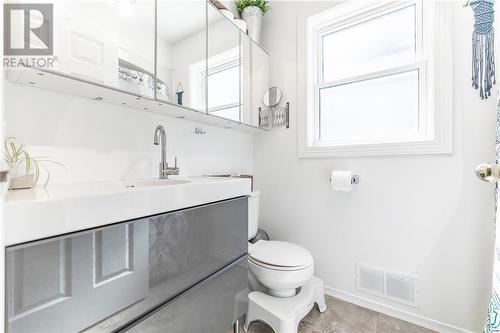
(252, 12)
(24, 169)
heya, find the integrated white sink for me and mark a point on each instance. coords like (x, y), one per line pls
(152, 182)
(65, 208)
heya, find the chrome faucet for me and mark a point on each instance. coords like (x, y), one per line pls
(161, 138)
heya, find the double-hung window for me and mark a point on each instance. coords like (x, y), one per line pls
(370, 80)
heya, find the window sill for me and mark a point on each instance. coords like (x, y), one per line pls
(421, 147)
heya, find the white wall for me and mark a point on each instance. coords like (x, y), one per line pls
(423, 215)
(96, 140)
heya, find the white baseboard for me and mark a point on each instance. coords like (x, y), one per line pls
(394, 312)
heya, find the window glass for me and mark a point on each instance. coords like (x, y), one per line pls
(381, 43)
(379, 108)
(223, 87)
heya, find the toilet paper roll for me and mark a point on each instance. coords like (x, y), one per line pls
(341, 180)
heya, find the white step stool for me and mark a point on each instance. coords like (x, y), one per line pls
(284, 314)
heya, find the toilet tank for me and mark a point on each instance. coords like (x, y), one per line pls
(253, 214)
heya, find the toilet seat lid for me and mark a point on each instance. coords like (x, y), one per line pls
(278, 253)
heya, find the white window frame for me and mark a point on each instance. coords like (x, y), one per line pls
(433, 62)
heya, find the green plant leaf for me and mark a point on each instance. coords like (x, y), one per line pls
(37, 172)
(19, 151)
(49, 161)
(14, 152)
(27, 162)
(262, 4)
(48, 175)
(8, 156)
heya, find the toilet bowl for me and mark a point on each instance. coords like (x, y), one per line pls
(281, 267)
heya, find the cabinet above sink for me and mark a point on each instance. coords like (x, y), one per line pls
(179, 58)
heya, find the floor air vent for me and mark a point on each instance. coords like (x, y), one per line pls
(387, 284)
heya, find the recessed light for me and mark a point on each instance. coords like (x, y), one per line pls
(145, 108)
(160, 104)
(31, 82)
(180, 117)
(98, 98)
(138, 98)
(41, 74)
(124, 103)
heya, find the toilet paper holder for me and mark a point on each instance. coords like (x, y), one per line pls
(354, 179)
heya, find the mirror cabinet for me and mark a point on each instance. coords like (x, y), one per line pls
(223, 72)
(259, 82)
(159, 53)
(107, 43)
(181, 53)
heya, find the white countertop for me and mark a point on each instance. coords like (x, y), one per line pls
(64, 208)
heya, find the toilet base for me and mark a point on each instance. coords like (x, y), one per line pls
(284, 293)
(284, 314)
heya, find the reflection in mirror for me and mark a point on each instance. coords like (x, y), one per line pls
(224, 72)
(272, 97)
(260, 79)
(108, 42)
(246, 79)
(181, 52)
(255, 63)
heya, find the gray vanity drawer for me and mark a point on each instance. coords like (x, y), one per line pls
(100, 280)
(210, 307)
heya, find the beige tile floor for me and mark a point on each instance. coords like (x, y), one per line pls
(343, 317)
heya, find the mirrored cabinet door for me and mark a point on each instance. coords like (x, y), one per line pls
(260, 82)
(109, 43)
(224, 67)
(255, 79)
(246, 78)
(181, 53)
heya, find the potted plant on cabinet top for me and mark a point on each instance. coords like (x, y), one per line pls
(252, 12)
(24, 169)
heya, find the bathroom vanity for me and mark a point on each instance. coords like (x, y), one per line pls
(139, 256)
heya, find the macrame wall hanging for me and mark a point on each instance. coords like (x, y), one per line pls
(483, 46)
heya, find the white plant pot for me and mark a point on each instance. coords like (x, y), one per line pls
(19, 179)
(253, 17)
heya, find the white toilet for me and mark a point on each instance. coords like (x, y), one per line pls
(286, 271)
(282, 267)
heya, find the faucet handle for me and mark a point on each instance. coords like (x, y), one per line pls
(168, 171)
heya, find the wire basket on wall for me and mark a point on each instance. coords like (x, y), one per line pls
(274, 116)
